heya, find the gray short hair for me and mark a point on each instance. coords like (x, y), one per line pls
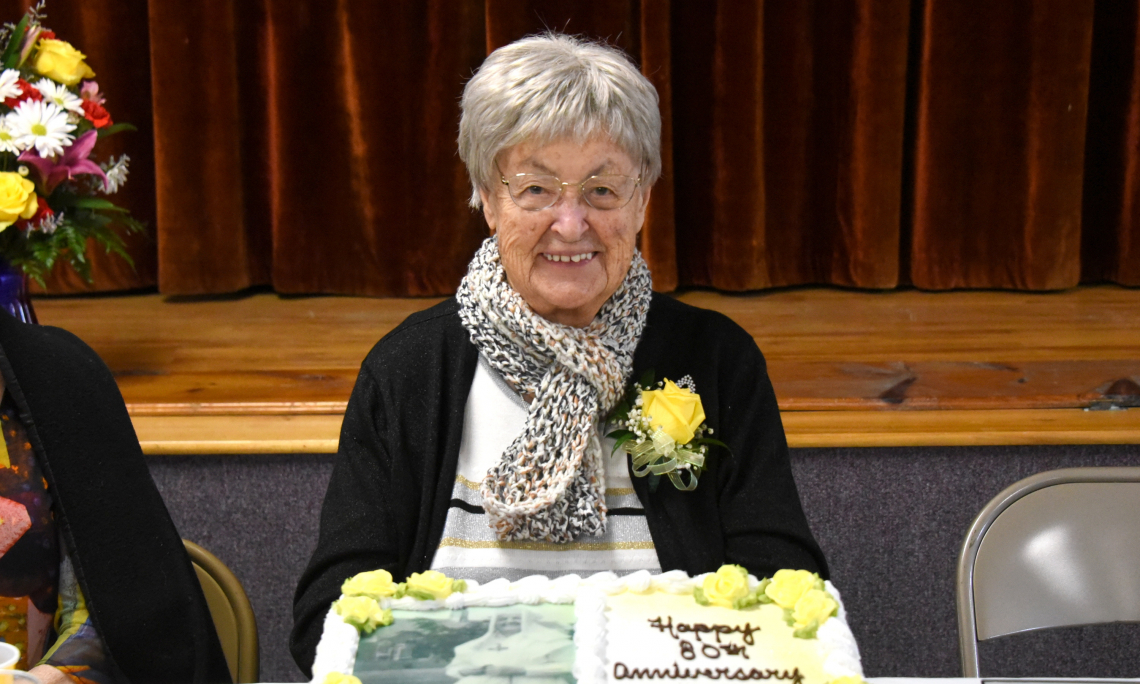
(551, 86)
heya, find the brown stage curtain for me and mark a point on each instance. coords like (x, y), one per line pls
(310, 144)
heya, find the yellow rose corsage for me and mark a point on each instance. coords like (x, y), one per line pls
(662, 427)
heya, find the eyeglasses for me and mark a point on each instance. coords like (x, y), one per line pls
(534, 192)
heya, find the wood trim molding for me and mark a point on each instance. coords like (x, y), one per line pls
(318, 434)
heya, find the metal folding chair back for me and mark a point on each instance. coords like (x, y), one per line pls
(232, 613)
(1058, 549)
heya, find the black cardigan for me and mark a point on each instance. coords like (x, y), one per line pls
(388, 496)
(141, 591)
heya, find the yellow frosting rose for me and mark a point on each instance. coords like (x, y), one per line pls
(60, 61)
(813, 608)
(726, 585)
(848, 680)
(787, 586)
(339, 678)
(376, 584)
(17, 198)
(363, 613)
(678, 412)
(432, 582)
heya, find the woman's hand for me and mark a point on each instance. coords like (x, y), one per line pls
(49, 675)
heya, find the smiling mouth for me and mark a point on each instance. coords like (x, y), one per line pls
(568, 258)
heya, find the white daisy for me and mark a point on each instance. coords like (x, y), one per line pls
(43, 125)
(116, 172)
(8, 84)
(8, 137)
(60, 95)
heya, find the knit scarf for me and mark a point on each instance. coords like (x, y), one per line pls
(550, 484)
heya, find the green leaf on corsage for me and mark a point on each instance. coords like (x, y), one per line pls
(620, 437)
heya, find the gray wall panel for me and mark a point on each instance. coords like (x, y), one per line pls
(890, 522)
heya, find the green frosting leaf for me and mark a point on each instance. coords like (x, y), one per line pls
(807, 631)
(420, 595)
(746, 601)
(762, 596)
(699, 596)
(459, 586)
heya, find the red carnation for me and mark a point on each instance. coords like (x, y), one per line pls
(42, 211)
(27, 92)
(96, 114)
(46, 35)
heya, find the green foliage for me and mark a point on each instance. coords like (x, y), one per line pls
(36, 252)
(115, 128)
(620, 437)
(11, 53)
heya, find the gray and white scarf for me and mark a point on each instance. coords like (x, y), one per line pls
(549, 484)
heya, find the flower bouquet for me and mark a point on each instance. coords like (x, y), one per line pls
(52, 115)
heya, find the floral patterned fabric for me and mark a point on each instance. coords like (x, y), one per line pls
(42, 608)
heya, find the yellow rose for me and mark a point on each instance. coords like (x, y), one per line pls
(377, 584)
(431, 582)
(787, 586)
(338, 678)
(363, 613)
(726, 585)
(813, 608)
(678, 412)
(59, 61)
(17, 198)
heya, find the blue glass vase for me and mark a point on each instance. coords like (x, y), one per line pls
(14, 293)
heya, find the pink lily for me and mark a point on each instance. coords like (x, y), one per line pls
(90, 91)
(30, 38)
(73, 161)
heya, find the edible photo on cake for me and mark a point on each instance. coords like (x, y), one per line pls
(493, 645)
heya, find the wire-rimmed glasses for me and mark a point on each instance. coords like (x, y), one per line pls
(535, 192)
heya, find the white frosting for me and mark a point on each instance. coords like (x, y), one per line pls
(590, 637)
(838, 643)
(336, 651)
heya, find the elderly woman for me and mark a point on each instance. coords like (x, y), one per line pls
(473, 439)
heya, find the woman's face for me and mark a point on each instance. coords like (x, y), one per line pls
(532, 243)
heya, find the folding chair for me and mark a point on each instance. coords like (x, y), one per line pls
(231, 611)
(1058, 549)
